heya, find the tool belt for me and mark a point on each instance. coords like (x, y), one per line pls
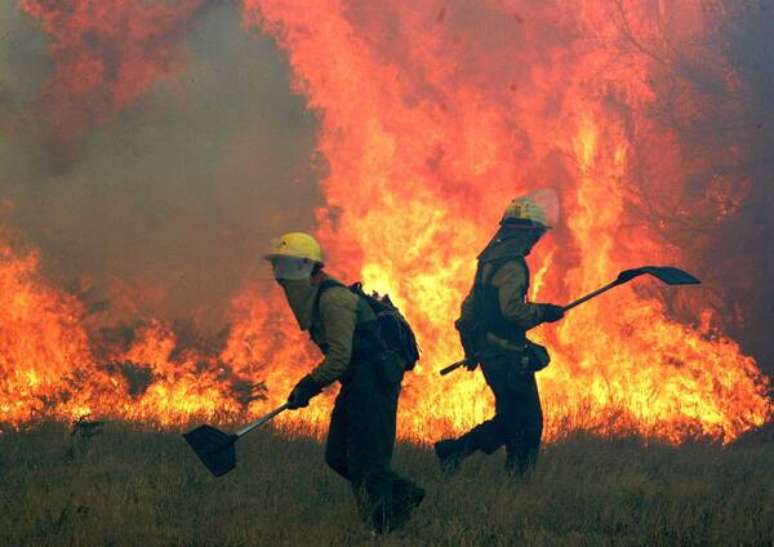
(529, 356)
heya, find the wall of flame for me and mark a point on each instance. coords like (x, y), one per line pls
(433, 115)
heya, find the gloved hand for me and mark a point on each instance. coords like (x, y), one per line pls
(551, 312)
(466, 338)
(472, 364)
(305, 389)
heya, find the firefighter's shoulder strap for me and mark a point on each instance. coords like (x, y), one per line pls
(391, 328)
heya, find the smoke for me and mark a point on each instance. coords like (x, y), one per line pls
(714, 97)
(163, 207)
(749, 254)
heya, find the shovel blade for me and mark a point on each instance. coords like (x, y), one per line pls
(671, 276)
(215, 448)
(666, 274)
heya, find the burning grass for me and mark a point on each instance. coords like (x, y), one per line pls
(428, 120)
(118, 485)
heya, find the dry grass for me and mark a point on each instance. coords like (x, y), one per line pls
(124, 486)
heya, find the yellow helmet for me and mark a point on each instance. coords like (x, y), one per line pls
(296, 245)
(541, 207)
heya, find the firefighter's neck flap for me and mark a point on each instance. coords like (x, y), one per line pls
(301, 295)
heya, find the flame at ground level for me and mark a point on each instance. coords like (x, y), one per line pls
(676, 384)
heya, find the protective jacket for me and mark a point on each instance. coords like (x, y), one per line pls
(497, 303)
(343, 327)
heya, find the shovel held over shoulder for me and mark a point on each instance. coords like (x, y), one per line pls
(665, 274)
(215, 448)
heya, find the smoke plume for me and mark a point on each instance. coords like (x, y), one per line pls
(162, 205)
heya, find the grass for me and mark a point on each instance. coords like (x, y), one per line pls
(126, 486)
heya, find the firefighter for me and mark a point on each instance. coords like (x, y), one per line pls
(361, 436)
(493, 324)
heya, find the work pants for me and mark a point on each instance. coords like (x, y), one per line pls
(361, 438)
(518, 420)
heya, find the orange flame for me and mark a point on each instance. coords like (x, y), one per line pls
(433, 116)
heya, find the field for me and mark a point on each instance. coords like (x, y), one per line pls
(126, 486)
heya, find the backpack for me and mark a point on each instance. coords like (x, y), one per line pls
(392, 329)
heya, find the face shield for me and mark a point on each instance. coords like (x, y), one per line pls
(547, 202)
(290, 268)
(540, 207)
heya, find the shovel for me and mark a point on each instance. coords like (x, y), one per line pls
(666, 274)
(215, 448)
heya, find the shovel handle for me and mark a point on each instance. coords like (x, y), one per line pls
(591, 295)
(571, 305)
(622, 278)
(260, 421)
(452, 367)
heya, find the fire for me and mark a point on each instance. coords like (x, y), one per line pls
(436, 114)
(41, 338)
(433, 116)
(48, 367)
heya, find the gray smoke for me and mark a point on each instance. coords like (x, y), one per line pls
(171, 203)
(728, 241)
